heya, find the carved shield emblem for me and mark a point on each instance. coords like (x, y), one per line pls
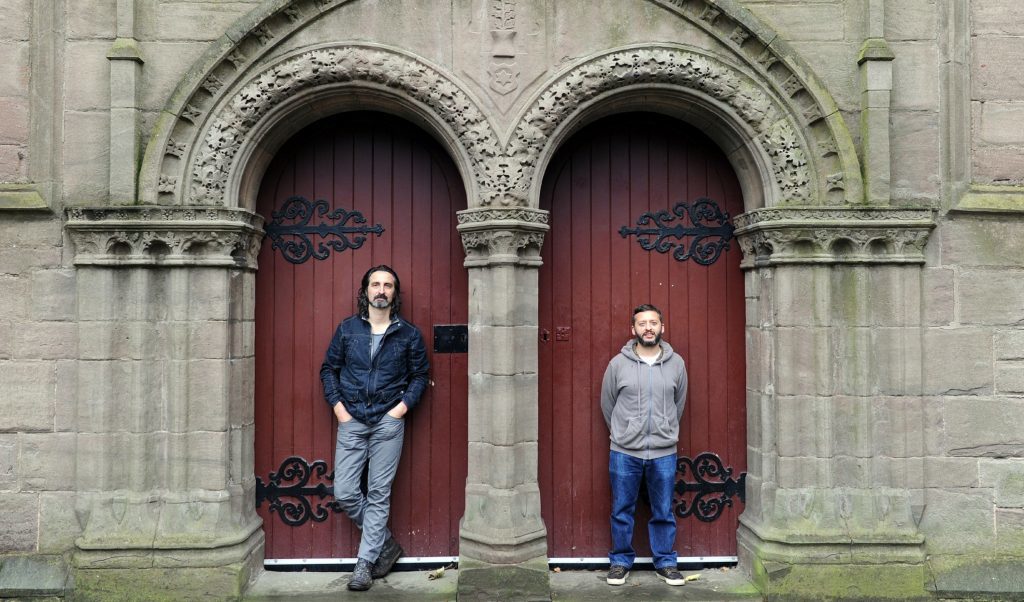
(504, 77)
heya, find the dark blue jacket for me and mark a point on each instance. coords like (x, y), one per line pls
(369, 389)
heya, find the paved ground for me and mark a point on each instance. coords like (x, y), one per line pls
(585, 586)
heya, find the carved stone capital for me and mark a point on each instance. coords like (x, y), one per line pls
(833, 235)
(493, 236)
(165, 236)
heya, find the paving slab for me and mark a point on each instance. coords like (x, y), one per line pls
(709, 585)
(583, 585)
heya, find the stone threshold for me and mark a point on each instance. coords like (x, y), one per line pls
(582, 585)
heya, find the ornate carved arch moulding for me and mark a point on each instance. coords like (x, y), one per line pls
(833, 235)
(805, 171)
(165, 236)
(191, 157)
(207, 169)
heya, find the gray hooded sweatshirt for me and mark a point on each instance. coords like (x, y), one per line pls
(643, 403)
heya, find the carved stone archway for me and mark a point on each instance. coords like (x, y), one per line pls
(221, 153)
(780, 160)
(207, 127)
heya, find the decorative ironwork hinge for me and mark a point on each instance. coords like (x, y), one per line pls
(300, 250)
(710, 231)
(304, 508)
(711, 496)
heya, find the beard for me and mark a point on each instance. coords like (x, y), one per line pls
(654, 343)
(380, 302)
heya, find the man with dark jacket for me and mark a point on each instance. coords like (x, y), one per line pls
(642, 398)
(374, 373)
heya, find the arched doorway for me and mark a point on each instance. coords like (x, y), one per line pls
(598, 184)
(406, 190)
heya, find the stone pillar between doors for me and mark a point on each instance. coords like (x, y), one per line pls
(502, 538)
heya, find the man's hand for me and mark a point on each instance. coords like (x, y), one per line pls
(341, 413)
(399, 410)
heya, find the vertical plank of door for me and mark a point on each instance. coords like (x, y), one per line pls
(436, 279)
(605, 337)
(578, 370)
(561, 411)
(264, 341)
(621, 306)
(319, 426)
(344, 287)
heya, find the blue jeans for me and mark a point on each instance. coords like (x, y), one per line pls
(379, 447)
(626, 472)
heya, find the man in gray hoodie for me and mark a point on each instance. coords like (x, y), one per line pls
(642, 398)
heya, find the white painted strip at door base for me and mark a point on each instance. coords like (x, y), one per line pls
(444, 560)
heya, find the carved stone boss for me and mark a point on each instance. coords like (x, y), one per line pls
(165, 236)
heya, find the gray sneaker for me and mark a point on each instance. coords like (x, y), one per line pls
(670, 575)
(389, 555)
(617, 574)
(361, 579)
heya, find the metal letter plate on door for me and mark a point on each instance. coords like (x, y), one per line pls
(451, 338)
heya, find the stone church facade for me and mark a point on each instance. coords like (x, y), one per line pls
(878, 146)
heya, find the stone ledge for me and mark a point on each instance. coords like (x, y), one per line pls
(991, 199)
(33, 577)
(22, 198)
(833, 235)
(839, 571)
(165, 236)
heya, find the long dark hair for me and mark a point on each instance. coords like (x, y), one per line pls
(364, 302)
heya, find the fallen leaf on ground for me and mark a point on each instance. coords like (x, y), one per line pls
(436, 574)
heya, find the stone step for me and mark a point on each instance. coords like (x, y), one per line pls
(583, 586)
(33, 577)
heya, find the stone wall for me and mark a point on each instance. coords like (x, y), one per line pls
(887, 393)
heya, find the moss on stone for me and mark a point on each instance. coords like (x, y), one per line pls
(21, 197)
(891, 581)
(985, 578)
(518, 582)
(160, 584)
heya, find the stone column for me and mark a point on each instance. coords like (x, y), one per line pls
(502, 539)
(164, 410)
(875, 62)
(835, 416)
(125, 74)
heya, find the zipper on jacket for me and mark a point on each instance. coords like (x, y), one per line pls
(650, 406)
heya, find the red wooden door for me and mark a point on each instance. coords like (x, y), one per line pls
(604, 179)
(399, 178)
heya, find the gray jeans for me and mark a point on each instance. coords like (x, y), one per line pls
(380, 446)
